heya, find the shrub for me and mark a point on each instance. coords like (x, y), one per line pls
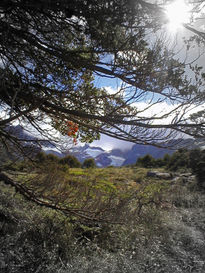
(166, 159)
(89, 163)
(71, 161)
(159, 163)
(147, 161)
(41, 157)
(179, 160)
(197, 159)
(52, 158)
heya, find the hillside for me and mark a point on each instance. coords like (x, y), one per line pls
(162, 229)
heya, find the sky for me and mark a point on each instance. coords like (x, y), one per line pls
(177, 14)
(108, 143)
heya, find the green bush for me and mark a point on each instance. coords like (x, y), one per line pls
(197, 159)
(71, 161)
(147, 161)
(52, 158)
(166, 159)
(41, 157)
(179, 160)
(89, 163)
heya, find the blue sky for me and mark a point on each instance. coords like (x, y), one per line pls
(112, 84)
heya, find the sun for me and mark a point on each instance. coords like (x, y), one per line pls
(178, 13)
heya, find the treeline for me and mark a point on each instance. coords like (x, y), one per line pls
(181, 160)
(43, 159)
(69, 160)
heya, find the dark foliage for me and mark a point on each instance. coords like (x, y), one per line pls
(197, 164)
(179, 160)
(71, 161)
(89, 163)
(147, 161)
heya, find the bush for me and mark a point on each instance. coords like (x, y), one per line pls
(71, 161)
(89, 163)
(197, 159)
(147, 161)
(41, 157)
(166, 159)
(179, 160)
(52, 158)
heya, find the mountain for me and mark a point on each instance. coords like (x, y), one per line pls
(120, 157)
(32, 142)
(103, 158)
(117, 157)
(157, 152)
(142, 150)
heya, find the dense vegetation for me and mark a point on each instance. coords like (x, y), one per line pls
(135, 223)
(69, 160)
(182, 160)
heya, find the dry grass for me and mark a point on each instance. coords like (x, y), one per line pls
(168, 236)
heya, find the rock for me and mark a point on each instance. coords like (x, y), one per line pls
(185, 174)
(151, 173)
(159, 175)
(164, 175)
(176, 179)
(191, 178)
(187, 177)
(184, 178)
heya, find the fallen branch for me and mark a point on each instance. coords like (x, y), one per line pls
(31, 196)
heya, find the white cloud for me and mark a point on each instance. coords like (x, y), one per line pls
(168, 112)
(108, 143)
(112, 91)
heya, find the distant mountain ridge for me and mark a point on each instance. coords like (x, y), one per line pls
(118, 157)
(114, 157)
